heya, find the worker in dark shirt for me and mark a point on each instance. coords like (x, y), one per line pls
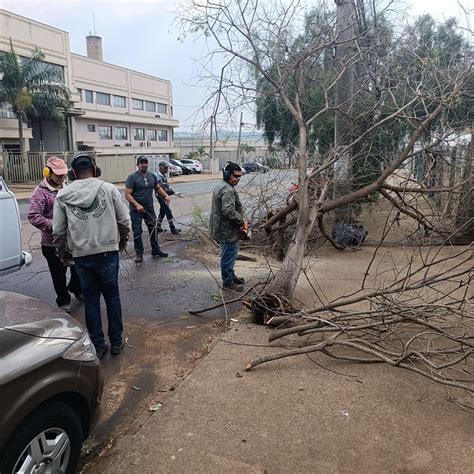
(139, 189)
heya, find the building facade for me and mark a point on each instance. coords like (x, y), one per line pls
(114, 109)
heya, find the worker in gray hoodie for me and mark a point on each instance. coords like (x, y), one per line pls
(90, 225)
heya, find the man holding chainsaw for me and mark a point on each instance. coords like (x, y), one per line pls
(139, 189)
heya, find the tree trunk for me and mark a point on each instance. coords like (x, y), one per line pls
(465, 218)
(344, 98)
(20, 133)
(287, 276)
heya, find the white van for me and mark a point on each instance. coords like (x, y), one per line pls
(12, 257)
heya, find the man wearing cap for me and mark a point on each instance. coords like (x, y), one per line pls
(139, 188)
(93, 216)
(40, 214)
(165, 210)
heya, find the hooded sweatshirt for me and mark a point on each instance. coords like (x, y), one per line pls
(92, 215)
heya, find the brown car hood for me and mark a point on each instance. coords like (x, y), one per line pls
(31, 316)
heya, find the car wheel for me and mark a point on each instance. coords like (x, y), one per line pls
(49, 440)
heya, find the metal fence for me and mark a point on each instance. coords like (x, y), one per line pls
(18, 168)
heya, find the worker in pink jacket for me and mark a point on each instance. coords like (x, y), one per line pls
(40, 214)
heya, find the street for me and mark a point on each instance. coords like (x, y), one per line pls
(163, 339)
(193, 188)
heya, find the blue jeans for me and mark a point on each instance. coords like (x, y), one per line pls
(229, 252)
(149, 217)
(165, 210)
(98, 274)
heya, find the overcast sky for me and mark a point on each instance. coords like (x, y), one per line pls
(142, 35)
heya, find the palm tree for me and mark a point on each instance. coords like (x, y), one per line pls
(201, 152)
(33, 88)
(246, 149)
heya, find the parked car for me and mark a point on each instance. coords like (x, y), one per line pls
(185, 169)
(175, 170)
(50, 377)
(195, 165)
(255, 168)
(242, 169)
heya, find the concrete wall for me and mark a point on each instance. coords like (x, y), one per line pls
(26, 34)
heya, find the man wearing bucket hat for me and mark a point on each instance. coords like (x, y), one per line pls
(40, 214)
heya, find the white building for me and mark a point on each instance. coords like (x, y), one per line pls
(114, 109)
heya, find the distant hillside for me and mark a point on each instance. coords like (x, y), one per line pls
(222, 135)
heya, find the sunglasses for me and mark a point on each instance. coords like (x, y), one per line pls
(238, 176)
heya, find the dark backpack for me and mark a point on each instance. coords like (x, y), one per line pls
(349, 233)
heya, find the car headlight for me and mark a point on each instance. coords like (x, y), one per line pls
(82, 350)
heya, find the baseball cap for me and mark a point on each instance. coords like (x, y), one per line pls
(164, 164)
(142, 158)
(58, 165)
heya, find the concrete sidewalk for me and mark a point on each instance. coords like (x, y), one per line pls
(24, 190)
(301, 414)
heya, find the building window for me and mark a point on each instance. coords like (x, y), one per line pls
(120, 101)
(120, 133)
(151, 135)
(139, 134)
(102, 99)
(161, 108)
(89, 97)
(163, 135)
(138, 104)
(56, 71)
(90, 127)
(105, 132)
(150, 106)
(79, 91)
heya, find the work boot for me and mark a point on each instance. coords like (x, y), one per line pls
(159, 253)
(175, 231)
(116, 350)
(238, 280)
(65, 307)
(232, 286)
(139, 258)
(101, 352)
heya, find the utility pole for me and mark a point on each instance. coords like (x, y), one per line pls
(211, 148)
(239, 160)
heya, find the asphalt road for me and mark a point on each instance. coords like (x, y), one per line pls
(198, 188)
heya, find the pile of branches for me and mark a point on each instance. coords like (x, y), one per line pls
(422, 322)
(272, 208)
